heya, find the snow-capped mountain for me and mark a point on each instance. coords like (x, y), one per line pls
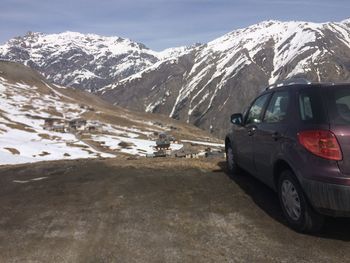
(207, 83)
(201, 84)
(84, 61)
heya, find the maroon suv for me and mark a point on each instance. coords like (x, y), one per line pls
(296, 139)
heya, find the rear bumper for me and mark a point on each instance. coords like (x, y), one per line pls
(328, 199)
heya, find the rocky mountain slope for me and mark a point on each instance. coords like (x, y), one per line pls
(84, 61)
(209, 82)
(202, 84)
(28, 101)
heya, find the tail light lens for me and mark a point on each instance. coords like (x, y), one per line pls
(321, 143)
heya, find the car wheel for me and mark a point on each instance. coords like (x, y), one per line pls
(298, 212)
(232, 166)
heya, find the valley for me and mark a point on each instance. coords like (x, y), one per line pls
(28, 102)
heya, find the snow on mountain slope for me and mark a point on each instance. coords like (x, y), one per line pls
(173, 53)
(202, 84)
(85, 61)
(207, 83)
(27, 101)
(23, 108)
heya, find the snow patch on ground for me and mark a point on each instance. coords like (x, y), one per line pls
(30, 180)
(134, 146)
(32, 148)
(22, 114)
(23, 139)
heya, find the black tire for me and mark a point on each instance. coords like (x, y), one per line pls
(232, 167)
(308, 221)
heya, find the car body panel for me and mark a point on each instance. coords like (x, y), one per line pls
(267, 145)
(321, 179)
(244, 152)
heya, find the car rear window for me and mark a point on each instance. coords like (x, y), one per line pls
(311, 107)
(339, 105)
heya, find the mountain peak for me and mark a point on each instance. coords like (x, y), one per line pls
(346, 21)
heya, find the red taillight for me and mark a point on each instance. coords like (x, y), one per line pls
(321, 143)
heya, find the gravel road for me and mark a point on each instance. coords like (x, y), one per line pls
(100, 211)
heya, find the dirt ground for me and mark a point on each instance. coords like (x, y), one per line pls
(150, 211)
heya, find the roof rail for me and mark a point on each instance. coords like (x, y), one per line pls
(287, 82)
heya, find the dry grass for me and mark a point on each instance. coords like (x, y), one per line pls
(27, 107)
(98, 146)
(16, 125)
(13, 71)
(43, 153)
(212, 164)
(77, 145)
(53, 111)
(20, 126)
(49, 137)
(91, 152)
(126, 145)
(167, 163)
(13, 151)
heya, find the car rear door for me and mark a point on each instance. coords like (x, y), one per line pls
(270, 134)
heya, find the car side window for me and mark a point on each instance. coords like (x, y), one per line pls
(311, 108)
(277, 109)
(255, 111)
(305, 107)
(342, 102)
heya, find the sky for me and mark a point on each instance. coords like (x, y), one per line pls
(159, 24)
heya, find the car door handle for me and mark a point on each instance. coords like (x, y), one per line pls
(276, 136)
(251, 131)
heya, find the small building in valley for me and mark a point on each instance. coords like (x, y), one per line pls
(93, 126)
(78, 124)
(73, 125)
(163, 142)
(58, 128)
(53, 124)
(186, 154)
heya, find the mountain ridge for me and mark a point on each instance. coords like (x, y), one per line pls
(217, 74)
(201, 84)
(85, 61)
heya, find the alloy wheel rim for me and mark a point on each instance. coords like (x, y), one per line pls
(291, 200)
